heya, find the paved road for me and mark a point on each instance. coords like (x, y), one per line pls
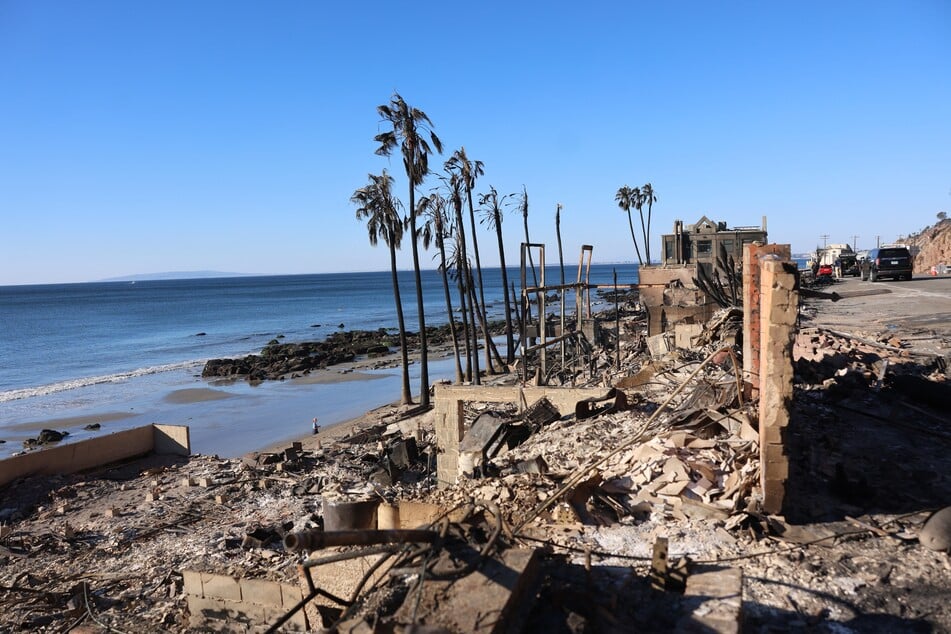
(916, 311)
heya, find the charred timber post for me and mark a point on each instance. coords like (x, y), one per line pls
(318, 539)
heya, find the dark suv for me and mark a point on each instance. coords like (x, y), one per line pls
(887, 262)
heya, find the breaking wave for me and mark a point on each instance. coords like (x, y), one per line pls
(119, 377)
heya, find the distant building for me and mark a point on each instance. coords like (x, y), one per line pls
(668, 290)
(700, 242)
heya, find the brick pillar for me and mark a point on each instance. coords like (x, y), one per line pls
(449, 428)
(779, 304)
(753, 254)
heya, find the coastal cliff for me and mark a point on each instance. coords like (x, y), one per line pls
(933, 245)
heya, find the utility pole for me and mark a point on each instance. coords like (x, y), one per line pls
(855, 243)
(878, 241)
(825, 238)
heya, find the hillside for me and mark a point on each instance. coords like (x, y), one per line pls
(933, 245)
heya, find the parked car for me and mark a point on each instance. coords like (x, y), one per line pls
(895, 262)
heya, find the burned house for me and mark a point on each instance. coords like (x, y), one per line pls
(700, 243)
(669, 291)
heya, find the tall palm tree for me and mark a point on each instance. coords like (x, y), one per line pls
(375, 204)
(436, 227)
(467, 172)
(410, 127)
(626, 198)
(647, 192)
(464, 277)
(491, 206)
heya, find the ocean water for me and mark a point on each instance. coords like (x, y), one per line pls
(121, 350)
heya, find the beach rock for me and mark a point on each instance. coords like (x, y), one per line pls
(46, 437)
(279, 360)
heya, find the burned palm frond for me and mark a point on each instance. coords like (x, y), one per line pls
(726, 292)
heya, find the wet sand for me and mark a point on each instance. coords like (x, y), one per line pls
(70, 421)
(234, 417)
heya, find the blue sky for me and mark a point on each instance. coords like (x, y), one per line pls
(173, 136)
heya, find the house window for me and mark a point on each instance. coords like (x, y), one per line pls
(704, 247)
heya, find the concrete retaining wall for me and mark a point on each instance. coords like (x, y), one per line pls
(87, 454)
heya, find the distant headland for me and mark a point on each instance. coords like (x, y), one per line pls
(172, 275)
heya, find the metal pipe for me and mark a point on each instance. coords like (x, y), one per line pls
(317, 539)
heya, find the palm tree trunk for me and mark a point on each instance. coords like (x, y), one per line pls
(481, 303)
(489, 343)
(406, 397)
(634, 238)
(463, 309)
(647, 246)
(509, 337)
(476, 375)
(561, 256)
(420, 310)
(452, 321)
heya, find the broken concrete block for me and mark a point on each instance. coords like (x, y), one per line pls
(267, 593)
(220, 587)
(685, 335)
(721, 609)
(388, 517)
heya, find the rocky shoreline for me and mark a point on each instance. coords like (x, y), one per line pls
(291, 360)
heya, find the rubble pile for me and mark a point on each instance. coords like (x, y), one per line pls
(638, 510)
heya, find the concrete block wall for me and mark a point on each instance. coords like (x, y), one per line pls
(253, 603)
(450, 421)
(95, 452)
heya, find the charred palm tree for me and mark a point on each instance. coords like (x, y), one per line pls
(626, 198)
(467, 172)
(561, 255)
(410, 127)
(491, 205)
(464, 278)
(376, 205)
(459, 271)
(436, 227)
(523, 208)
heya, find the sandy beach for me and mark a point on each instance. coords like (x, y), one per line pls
(233, 417)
